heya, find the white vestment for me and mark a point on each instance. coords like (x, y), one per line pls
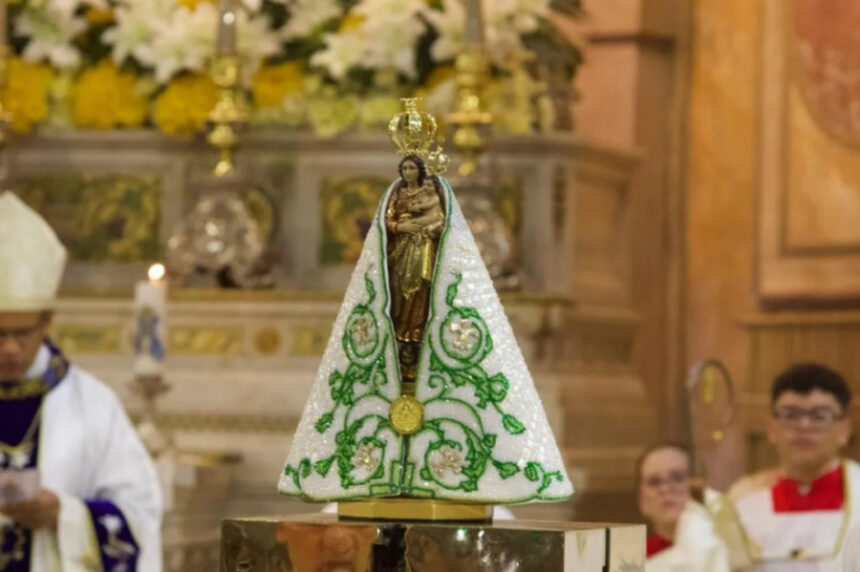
(696, 548)
(762, 539)
(851, 549)
(89, 450)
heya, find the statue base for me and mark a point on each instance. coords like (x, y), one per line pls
(403, 509)
(326, 541)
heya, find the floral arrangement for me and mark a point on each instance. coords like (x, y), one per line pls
(327, 65)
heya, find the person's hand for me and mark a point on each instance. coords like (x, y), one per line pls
(42, 511)
(409, 227)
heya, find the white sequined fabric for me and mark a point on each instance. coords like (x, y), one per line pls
(485, 437)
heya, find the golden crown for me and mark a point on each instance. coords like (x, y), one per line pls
(437, 161)
(413, 132)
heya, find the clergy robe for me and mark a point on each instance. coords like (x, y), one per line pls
(696, 546)
(771, 524)
(851, 549)
(89, 455)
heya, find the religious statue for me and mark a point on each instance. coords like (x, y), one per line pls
(414, 219)
(423, 395)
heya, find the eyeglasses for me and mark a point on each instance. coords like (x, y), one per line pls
(673, 479)
(818, 416)
(21, 334)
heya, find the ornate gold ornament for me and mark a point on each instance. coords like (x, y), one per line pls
(414, 132)
(469, 119)
(406, 414)
(268, 341)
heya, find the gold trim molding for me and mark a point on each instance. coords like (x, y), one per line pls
(414, 509)
(225, 422)
(205, 340)
(88, 338)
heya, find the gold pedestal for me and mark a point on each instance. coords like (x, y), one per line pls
(324, 542)
(402, 509)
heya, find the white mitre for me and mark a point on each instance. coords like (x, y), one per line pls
(484, 438)
(32, 259)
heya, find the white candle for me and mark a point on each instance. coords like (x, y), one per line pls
(150, 297)
(474, 34)
(226, 41)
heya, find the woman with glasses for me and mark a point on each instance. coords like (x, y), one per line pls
(794, 516)
(682, 535)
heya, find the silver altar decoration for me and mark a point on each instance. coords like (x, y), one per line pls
(220, 237)
(495, 239)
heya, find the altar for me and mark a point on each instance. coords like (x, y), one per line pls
(241, 361)
(310, 541)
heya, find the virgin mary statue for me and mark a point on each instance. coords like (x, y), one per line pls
(423, 391)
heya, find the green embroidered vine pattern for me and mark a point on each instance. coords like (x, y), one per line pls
(466, 341)
(359, 459)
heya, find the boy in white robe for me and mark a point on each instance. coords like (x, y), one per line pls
(95, 502)
(794, 517)
(683, 537)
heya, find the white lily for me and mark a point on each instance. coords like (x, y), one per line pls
(307, 15)
(256, 40)
(394, 44)
(252, 6)
(184, 42)
(450, 24)
(135, 28)
(342, 51)
(394, 27)
(51, 30)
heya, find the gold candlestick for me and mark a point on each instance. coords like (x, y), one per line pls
(469, 118)
(231, 109)
(230, 112)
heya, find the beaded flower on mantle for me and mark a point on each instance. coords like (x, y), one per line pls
(483, 437)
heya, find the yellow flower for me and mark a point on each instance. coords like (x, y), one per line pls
(351, 22)
(100, 16)
(184, 106)
(27, 93)
(104, 98)
(271, 84)
(192, 4)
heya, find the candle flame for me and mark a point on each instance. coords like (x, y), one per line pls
(156, 272)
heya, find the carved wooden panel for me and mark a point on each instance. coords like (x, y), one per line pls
(809, 239)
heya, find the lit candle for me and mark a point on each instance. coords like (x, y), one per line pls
(150, 298)
(226, 41)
